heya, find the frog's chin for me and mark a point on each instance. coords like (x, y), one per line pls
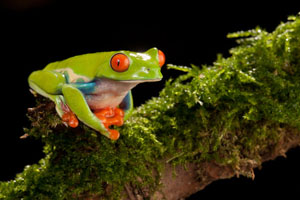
(141, 81)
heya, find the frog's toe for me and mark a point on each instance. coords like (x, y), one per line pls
(110, 116)
(117, 120)
(119, 112)
(73, 122)
(105, 112)
(114, 134)
(71, 119)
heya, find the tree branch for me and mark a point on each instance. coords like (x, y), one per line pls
(192, 177)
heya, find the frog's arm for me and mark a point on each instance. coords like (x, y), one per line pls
(77, 103)
(127, 105)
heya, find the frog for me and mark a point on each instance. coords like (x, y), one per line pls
(95, 88)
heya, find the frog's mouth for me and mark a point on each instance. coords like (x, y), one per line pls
(141, 81)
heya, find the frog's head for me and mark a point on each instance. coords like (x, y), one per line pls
(132, 66)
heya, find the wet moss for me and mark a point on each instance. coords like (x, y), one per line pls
(229, 112)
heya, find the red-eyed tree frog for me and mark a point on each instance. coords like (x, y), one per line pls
(96, 87)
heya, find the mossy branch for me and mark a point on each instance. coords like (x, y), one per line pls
(218, 121)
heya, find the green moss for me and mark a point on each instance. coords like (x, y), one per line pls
(229, 112)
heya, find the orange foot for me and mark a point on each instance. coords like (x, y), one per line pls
(111, 116)
(69, 117)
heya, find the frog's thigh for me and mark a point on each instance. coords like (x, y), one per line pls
(34, 83)
(77, 103)
(48, 81)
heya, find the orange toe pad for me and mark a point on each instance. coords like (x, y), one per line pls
(71, 119)
(111, 116)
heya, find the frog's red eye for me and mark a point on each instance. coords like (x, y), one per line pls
(161, 58)
(119, 62)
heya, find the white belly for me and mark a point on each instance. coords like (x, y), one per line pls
(104, 100)
(108, 93)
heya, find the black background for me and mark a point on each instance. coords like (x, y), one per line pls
(36, 32)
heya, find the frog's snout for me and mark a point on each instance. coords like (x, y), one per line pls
(157, 54)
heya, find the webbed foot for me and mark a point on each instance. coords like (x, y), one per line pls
(69, 117)
(111, 116)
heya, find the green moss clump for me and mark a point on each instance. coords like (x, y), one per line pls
(231, 112)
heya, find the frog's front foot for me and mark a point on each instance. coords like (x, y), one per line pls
(111, 116)
(69, 117)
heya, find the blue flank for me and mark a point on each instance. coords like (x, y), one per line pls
(126, 103)
(85, 88)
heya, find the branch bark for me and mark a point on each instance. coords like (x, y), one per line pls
(193, 177)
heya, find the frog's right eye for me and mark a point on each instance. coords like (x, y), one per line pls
(119, 62)
(161, 58)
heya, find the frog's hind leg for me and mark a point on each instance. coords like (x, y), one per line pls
(47, 84)
(61, 107)
(57, 99)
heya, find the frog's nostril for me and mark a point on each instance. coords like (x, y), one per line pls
(148, 70)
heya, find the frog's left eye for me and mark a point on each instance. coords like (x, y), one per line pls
(119, 62)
